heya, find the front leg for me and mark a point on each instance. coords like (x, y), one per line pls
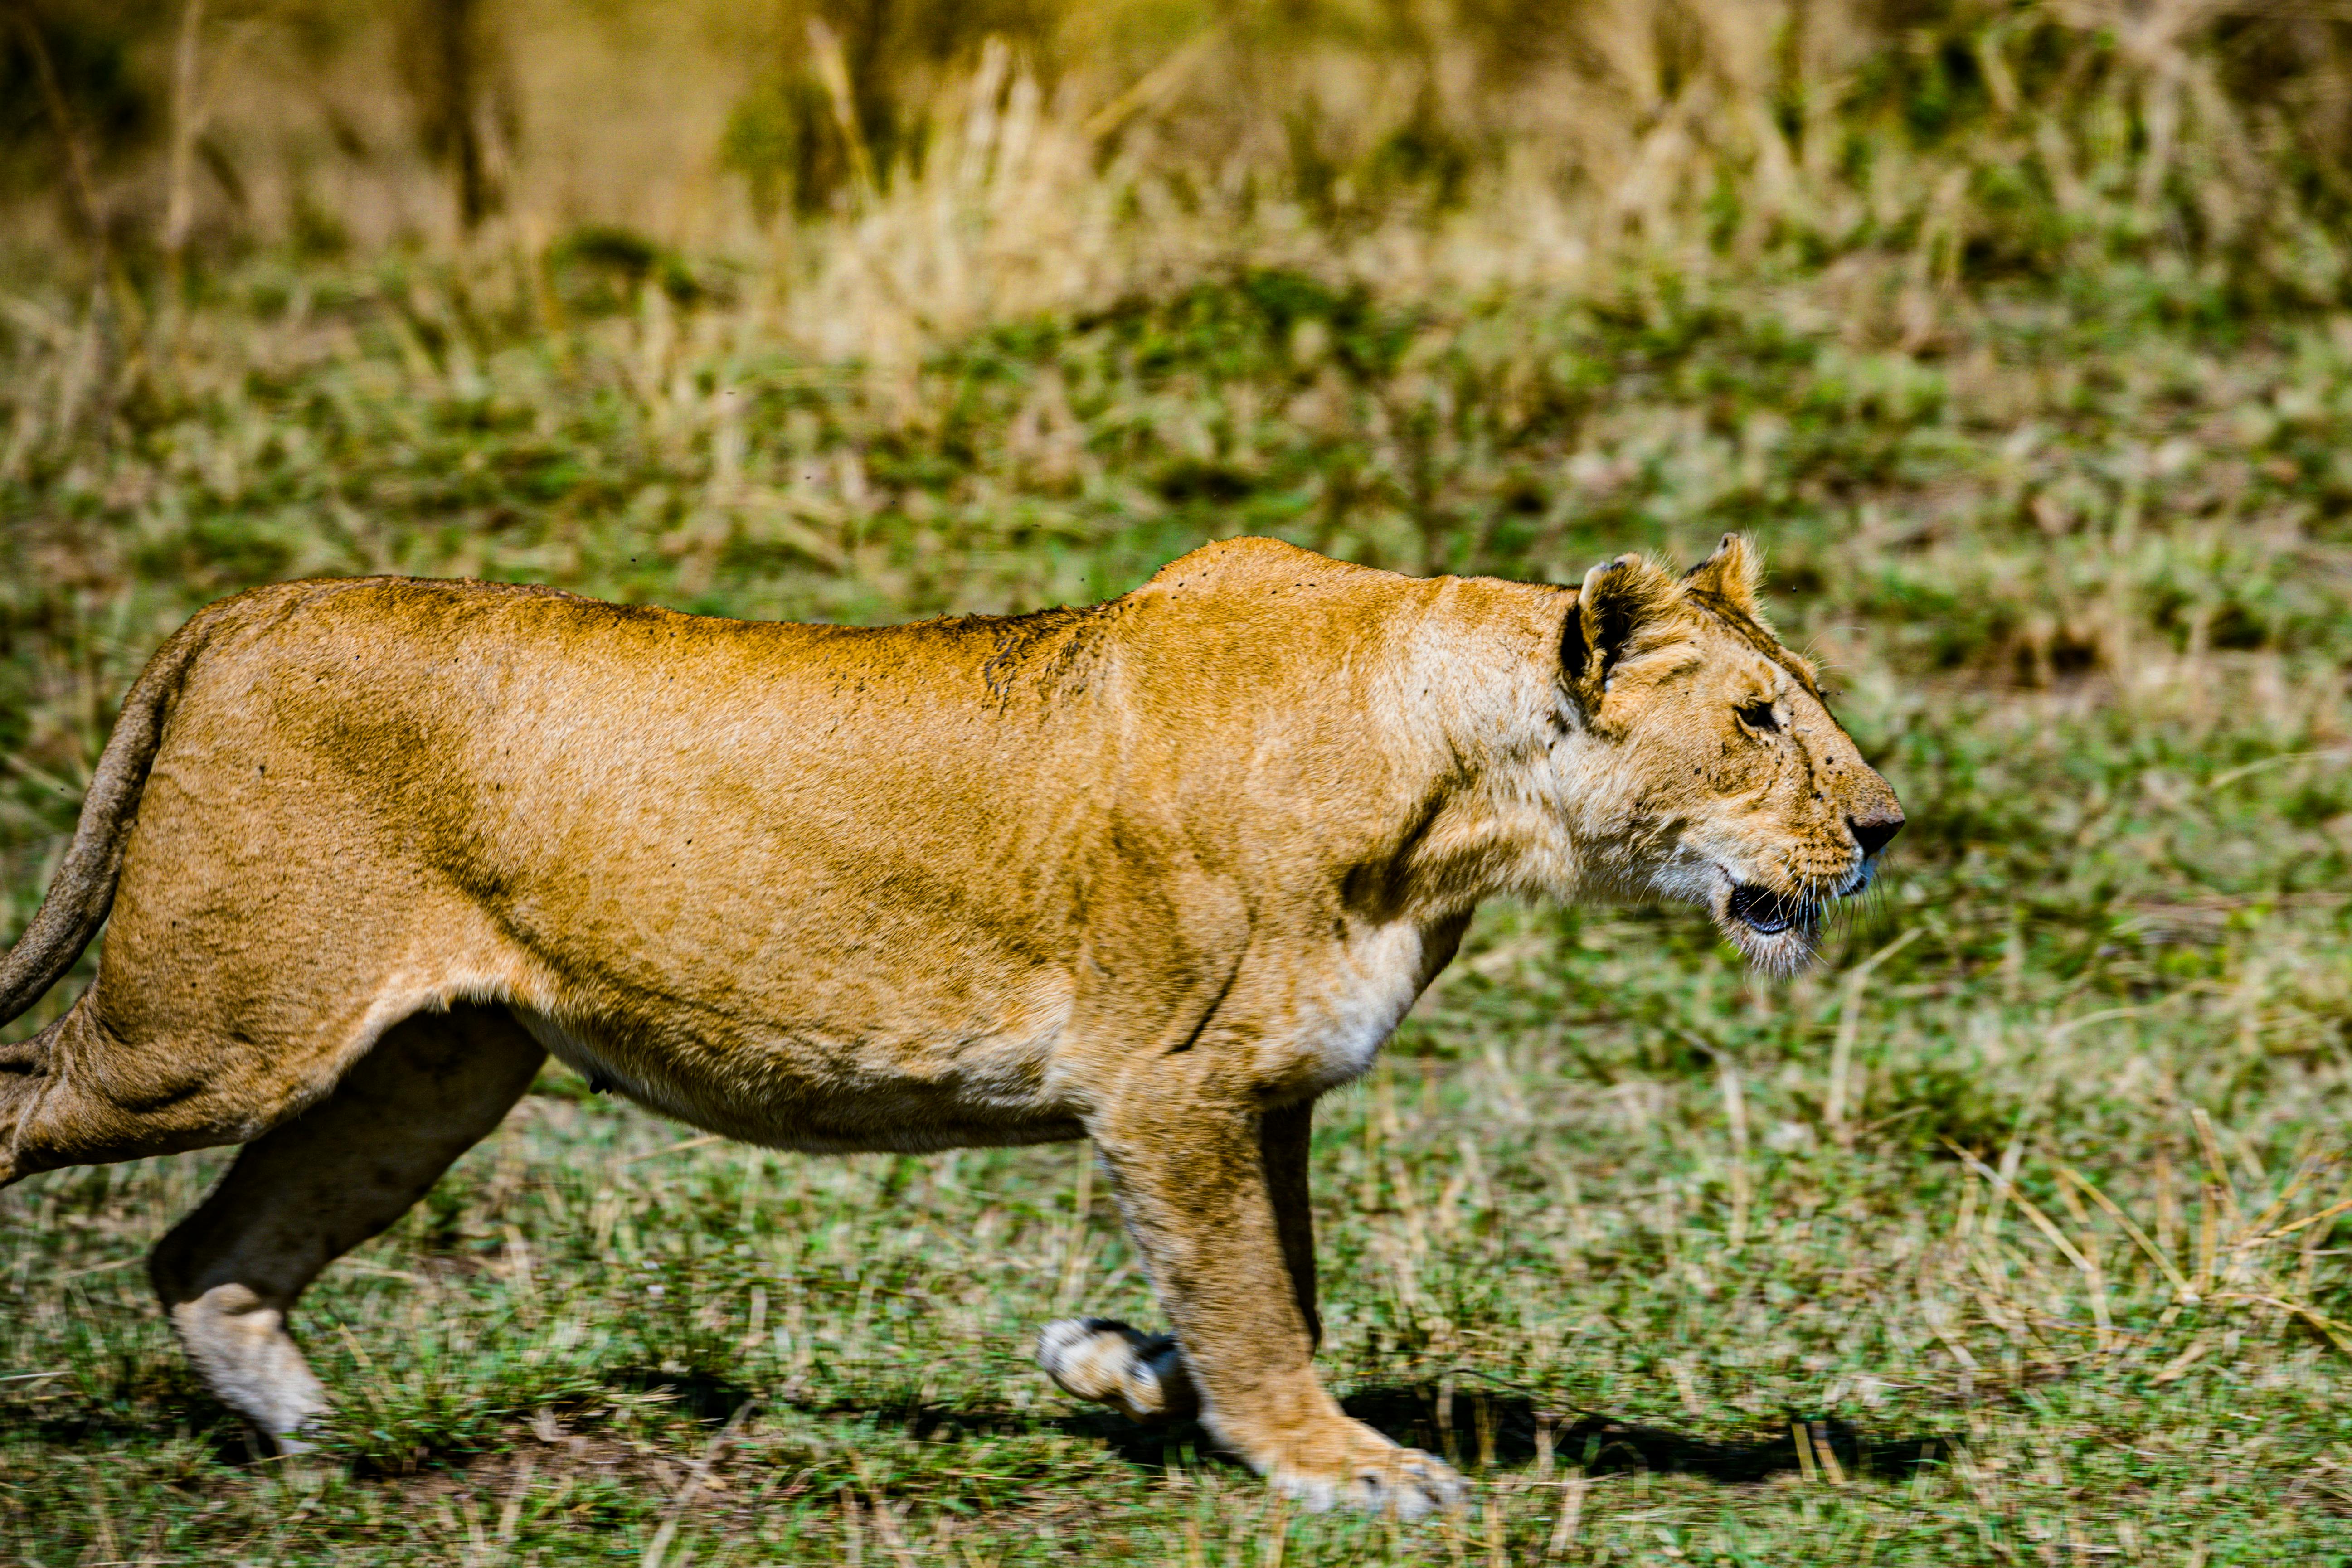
(1143, 1376)
(1192, 1178)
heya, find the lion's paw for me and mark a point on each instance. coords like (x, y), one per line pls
(1374, 1475)
(1141, 1375)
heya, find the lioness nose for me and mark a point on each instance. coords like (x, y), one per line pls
(1873, 832)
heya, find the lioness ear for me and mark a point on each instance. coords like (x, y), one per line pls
(1730, 574)
(1617, 600)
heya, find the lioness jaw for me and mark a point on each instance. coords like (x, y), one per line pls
(1157, 872)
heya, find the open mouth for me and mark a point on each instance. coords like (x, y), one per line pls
(1767, 912)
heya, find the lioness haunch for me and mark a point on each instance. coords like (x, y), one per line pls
(1156, 873)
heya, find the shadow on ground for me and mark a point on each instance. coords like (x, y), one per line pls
(1474, 1428)
(1500, 1429)
(708, 1396)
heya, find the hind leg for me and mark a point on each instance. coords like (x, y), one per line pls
(316, 1186)
(80, 1093)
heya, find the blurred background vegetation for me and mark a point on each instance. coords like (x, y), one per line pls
(2020, 335)
(950, 162)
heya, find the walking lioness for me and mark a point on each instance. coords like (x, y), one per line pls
(1156, 873)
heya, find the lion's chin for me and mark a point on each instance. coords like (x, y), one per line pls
(1777, 934)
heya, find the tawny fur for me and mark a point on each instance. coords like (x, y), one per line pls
(1157, 872)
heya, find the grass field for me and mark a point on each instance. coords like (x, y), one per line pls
(2009, 1236)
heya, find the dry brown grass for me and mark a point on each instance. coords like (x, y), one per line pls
(889, 177)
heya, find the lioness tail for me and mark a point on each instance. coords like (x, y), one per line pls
(83, 889)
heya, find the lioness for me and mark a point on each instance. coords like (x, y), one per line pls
(1157, 873)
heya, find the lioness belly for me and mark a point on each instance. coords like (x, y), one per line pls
(794, 1088)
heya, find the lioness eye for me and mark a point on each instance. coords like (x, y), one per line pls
(1759, 716)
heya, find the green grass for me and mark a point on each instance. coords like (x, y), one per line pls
(2080, 569)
